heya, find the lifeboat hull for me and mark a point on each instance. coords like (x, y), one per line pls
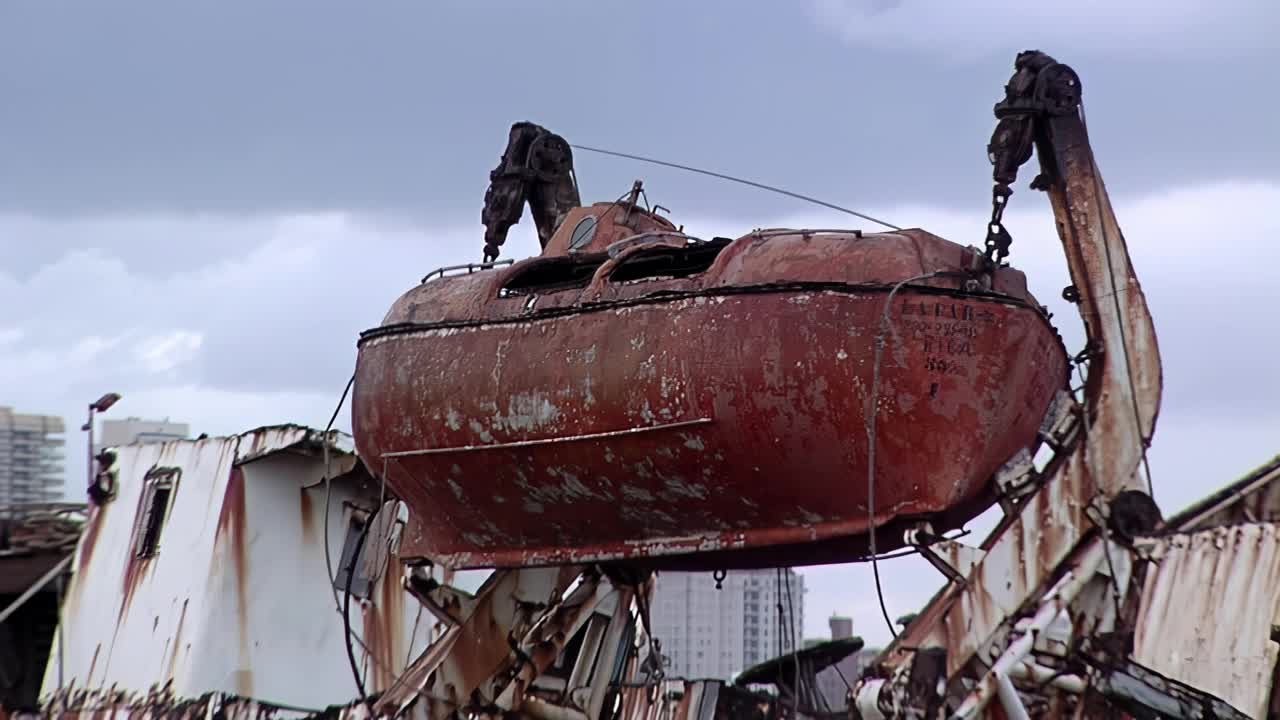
(709, 428)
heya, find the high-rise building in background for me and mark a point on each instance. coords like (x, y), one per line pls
(31, 457)
(135, 430)
(716, 633)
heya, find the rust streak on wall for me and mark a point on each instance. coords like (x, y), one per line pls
(307, 513)
(135, 567)
(92, 527)
(177, 641)
(231, 525)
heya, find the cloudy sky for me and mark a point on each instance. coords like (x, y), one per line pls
(201, 204)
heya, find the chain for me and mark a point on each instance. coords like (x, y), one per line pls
(998, 238)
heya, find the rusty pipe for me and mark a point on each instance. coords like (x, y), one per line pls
(1009, 700)
(1041, 675)
(1055, 601)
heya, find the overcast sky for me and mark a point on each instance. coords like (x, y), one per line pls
(202, 205)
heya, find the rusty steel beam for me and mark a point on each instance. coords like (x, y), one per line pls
(997, 679)
(547, 639)
(460, 668)
(1025, 554)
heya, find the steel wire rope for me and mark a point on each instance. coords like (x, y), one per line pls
(795, 652)
(731, 178)
(872, 412)
(328, 559)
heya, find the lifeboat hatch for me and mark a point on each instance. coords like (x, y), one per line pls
(552, 274)
(663, 263)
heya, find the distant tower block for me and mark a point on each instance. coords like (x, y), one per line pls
(841, 627)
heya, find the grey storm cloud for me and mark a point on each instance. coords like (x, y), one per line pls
(402, 107)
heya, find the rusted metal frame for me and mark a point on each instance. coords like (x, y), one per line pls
(1054, 603)
(549, 441)
(456, 669)
(1106, 462)
(1136, 688)
(612, 645)
(448, 604)
(592, 668)
(36, 586)
(953, 559)
(548, 637)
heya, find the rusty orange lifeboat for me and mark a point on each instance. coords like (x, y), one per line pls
(699, 403)
(634, 394)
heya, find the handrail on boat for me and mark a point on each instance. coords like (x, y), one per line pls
(469, 267)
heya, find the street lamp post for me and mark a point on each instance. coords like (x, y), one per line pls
(99, 405)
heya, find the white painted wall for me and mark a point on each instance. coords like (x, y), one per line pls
(206, 617)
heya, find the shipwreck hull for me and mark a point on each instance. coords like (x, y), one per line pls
(724, 421)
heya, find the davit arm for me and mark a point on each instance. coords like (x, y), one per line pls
(958, 653)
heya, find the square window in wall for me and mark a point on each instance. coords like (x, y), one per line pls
(159, 487)
(361, 583)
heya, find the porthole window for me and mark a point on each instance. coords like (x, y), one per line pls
(583, 233)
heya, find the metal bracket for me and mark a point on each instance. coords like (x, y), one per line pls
(952, 559)
(1061, 422)
(1016, 479)
(450, 605)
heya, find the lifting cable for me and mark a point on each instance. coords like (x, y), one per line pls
(752, 183)
(873, 410)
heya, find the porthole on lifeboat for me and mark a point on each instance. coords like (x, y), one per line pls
(583, 233)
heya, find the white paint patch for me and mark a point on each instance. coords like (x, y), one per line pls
(484, 435)
(456, 488)
(633, 493)
(527, 411)
(681, 488)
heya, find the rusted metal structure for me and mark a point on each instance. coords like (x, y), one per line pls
(1041, 617)
(36, 544)
(640, 460)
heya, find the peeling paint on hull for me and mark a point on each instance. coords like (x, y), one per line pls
(775, 472)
